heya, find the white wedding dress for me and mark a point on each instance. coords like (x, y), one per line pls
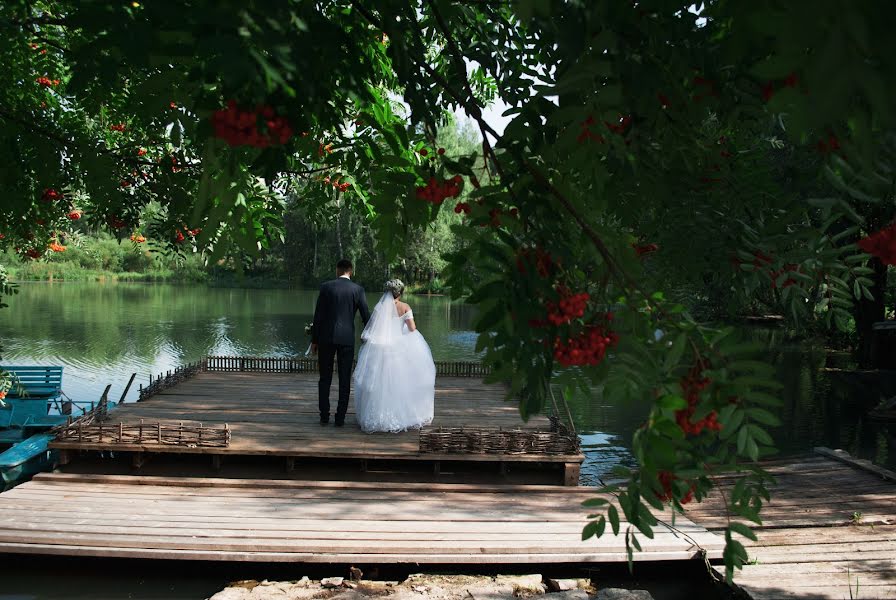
(395, 377)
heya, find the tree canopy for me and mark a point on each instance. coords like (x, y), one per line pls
(654, 145)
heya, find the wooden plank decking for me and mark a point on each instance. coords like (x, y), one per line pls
(829, 531)
(276, 414)
(324, 522)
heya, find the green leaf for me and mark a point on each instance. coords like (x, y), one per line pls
(589, 531)
(675, 351)
(763, 416)
(613, 516)
(595, 502)
(760, 435)
(742, 530)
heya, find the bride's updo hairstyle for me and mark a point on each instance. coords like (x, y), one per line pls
(396, 286)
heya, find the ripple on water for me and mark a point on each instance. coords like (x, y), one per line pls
(603, 452)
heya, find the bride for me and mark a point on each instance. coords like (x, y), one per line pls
(395, 377)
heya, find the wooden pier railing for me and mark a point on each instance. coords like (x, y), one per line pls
(169, 379)
(256, 364)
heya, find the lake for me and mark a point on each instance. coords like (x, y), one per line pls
(103, 332)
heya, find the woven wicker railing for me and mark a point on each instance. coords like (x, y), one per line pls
(223, 364)
(144, 433)
(479, 440)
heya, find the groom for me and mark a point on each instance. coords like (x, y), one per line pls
(333, 335)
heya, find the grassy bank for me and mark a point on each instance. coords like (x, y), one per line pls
(106, 260)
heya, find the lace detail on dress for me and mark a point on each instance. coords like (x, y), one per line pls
(407, 316)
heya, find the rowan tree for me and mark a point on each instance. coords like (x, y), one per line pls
(641, 159)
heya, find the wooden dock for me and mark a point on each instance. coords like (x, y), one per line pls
(319, 522)
(275, 414)
(829, 531)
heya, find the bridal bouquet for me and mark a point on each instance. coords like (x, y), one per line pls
(309, 329)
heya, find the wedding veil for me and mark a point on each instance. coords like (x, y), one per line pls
(384, 326)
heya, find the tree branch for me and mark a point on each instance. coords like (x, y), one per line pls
(5, 114)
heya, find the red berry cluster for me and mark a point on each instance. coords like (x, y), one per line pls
(47, 82)
(832, 144)
(569, 307)
(586, 134)
(435, 191)
(708, 87)
(642, 249)
(50, 195)
(239, 127)
(775, 274)
(667, 478)
(335, 183)
(117, 223)
(768, 89)
(75, 215)
(881, 244)
(587, 349)
(621, 126)
(692, 385)
(495, 217)
(179, 237)
(536, 258)
(141, 152)
(462, 207)
(117, 127)
(760, 259)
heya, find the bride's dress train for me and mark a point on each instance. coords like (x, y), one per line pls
(395, 376)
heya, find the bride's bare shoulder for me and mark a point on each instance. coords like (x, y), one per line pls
(403, 308)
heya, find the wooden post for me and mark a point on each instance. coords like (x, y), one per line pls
(216, 462)
(571, 473)
(290, 464)
(64, 457)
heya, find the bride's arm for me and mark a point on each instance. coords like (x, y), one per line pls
(412, 327)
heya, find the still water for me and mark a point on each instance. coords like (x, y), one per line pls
(102, 333)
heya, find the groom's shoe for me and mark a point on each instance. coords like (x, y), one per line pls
(340, 421)
(324, 419)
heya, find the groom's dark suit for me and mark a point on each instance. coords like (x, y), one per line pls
(334, 334)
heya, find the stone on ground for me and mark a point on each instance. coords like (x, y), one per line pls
(564, 585)
(623, 594)
(416, 587)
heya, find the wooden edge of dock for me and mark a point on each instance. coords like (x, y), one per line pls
(859, 463)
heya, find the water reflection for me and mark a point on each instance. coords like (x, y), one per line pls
(102, 333)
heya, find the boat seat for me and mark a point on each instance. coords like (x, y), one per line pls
(35, 382)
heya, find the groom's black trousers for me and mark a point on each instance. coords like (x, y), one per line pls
(344, 356)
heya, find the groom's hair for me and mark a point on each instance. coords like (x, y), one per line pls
(343, 266)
